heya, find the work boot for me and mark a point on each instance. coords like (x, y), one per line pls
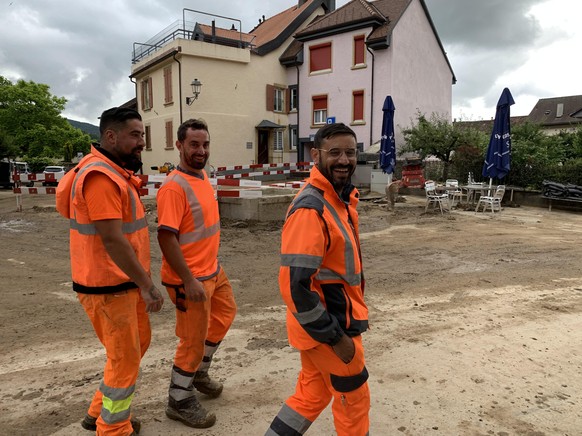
(190, 412)
(90, 423)
(203, 383)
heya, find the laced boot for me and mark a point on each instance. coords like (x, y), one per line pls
(190, 412)
(90, 423)
(204, 384)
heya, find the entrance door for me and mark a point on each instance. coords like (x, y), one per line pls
(263, 148)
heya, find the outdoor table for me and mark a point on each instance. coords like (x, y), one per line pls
(473, 189)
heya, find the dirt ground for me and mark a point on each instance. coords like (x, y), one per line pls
(475, 326)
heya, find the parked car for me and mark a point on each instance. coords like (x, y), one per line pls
(58, 172)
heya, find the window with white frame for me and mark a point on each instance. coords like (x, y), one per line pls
(293, 97)
(279, 100)
(293, 137)
(319, 109)
(147, 94)
(278, 140)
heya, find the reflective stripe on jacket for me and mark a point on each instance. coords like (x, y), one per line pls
(199, 224)
(93, 270)
(321, 277)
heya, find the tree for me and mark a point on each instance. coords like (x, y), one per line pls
(7, 147)
(439, 138)
(31, 116)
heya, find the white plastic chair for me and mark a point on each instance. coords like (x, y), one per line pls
(456, 193)
(493, 201)
(435, 199)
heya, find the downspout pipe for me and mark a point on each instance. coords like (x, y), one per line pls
(371, 96)
(299, 146)
(179, 85)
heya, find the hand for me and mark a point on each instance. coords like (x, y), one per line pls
(153, 299)
(345, 349)
(195, 291)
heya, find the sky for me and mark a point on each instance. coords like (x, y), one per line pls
(82, 49)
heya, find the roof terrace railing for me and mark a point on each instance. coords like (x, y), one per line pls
(179, 30)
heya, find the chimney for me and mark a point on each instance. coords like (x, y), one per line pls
(213, 31)
(329, 5)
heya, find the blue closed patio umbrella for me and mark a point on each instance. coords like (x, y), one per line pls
(498, 157)
(387, 143)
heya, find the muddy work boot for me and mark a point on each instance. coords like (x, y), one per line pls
(204, 384)
(90, 423)
(190, 412)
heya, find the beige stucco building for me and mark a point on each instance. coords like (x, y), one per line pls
(236, 71)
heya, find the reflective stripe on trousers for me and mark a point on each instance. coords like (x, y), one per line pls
(122, 326)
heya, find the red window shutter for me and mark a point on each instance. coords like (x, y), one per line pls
(359, 52)
(358, 105)
(287, 100)
(143, 91)
(270, 98)
(169, 134)
(319, 102)
(320, 57)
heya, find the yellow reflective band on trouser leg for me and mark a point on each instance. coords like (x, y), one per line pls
(116, 410)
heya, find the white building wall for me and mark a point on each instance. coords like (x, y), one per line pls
(421, 79)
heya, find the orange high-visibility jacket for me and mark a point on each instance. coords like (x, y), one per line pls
(187, 207)
(321, 277)
(93, 270)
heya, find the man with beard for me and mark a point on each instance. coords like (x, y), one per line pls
(189, 236)
(322, 283)
(110, 262)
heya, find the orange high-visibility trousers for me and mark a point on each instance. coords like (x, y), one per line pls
(200, 322)
(122, 325)
(325, 376)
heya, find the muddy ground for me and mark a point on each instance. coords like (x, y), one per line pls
(475, 326)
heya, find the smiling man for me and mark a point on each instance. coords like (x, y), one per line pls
(110, 262)
(189, 236)
(322, 283)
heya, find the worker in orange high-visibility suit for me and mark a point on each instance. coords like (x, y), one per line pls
(321, 281)
(110, 262)
(189, 236)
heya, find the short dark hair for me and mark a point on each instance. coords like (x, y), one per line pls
(331, 130)
(194, 124)
(116, 116)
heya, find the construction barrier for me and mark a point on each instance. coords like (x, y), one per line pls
(241, 188)
(241, 171)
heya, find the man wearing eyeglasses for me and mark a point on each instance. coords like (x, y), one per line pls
(322, 283)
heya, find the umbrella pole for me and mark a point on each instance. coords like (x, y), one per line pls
(490, 185)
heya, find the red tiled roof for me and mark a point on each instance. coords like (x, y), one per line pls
(225, 33)
(274, 26)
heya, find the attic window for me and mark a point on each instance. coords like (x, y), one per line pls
(547, 112)
(560, 110)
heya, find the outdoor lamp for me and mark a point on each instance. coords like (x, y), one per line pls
(196, 85)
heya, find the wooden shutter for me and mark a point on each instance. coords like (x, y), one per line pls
(169, 134)
(359, 52)
(358, 105)
(319, 102)
(270, 98)
(320, 57)
(168, 97)
(150, 93)
(287, 100)
(148, 137)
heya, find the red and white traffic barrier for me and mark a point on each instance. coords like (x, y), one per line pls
(296, 165)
